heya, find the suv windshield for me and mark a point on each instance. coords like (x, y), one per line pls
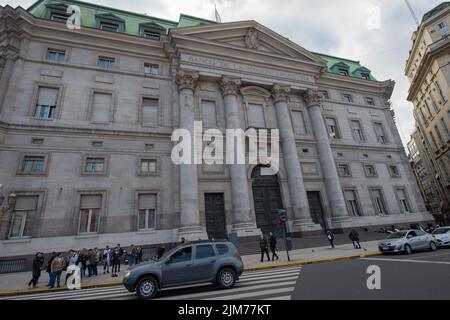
(397, 235)
(441, 230)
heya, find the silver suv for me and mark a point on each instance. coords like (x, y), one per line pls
(218, 262)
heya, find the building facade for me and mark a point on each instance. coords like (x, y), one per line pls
(86, 119)
(428, 70)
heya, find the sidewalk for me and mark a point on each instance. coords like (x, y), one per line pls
(16, 283)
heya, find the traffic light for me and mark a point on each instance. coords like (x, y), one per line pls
(282, 214)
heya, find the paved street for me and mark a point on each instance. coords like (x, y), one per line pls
(275, 284)
(422, 275)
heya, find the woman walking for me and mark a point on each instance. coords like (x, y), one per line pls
(273, 245)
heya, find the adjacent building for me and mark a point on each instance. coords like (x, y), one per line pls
(428, 70)
(86, 118)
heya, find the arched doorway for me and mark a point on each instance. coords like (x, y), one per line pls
(267, 198)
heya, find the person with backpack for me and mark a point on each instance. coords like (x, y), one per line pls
(354, 236)
(264, 248)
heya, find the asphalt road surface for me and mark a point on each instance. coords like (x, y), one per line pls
(423, 275)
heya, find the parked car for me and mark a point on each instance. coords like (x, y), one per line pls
(442, 236)
(218, 262)
(408, 241)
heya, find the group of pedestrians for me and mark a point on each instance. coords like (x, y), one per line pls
(353, 236)
(87, 260)
(265, 244)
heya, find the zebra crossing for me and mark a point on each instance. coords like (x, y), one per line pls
(272, 284)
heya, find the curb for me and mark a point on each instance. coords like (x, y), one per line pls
(115, 283)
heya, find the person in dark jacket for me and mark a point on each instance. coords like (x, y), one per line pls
(120, 254)
(138, 254)
(49, 271)
(273, 245)
(115, 261)
(264, 248)
(354, 236)
(38, 261)
(330, 238)
(160, 252)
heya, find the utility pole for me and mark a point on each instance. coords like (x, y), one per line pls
(412, 12)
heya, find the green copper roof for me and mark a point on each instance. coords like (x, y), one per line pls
(91, 14)
(354, 67)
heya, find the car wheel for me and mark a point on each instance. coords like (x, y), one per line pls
(433, 246)
(147, 288)
(226, 278)
(408, 249)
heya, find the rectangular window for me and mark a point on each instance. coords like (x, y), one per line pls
(94, 165)
(343, 71)
(393, 171)
(347, 98)
(90, 206)
(438, 134)
(344, 170)
(106, 62)
(332, 128)
(148, 166)
(101, 109)
(442, 25)
(256, 116)
(150, 109)
(370, 170)
(445, 126)
(379, 132)
(111, 27)
(22, 215)
(433, 140)
(434, 103)
(152, 35)
(298, 122)
(357, 130)
(152, 69)
(427, 106)
(403, 200)
(56, 55)
(46, 103)
(378, 201)
(441, 93)
(352, 203)
(370, 101)
(324, 94)
(59, 17)
(365, 76)
(32, 164)
(147, 211)
(209, 114)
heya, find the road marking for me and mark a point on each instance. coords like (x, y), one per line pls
(430, 255)
(279, 298)
(407, 260)
(252, 294)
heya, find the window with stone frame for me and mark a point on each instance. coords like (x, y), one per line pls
(95, 165)
(344, 170)
(439, 135)
(106, 62)
(370, 101)
(403, 200)
(22, 216)
(353, 206)
(46, 103)
(332, 128)
(151, 69)
(33, 164)
(380, 133)
(56, 55)
(394, 171)
(378, 201)
(148, 166)
(446, 129)
(358, 133)
(150, 111)
(146, 211)
(109, 26)
(441, 92)
(436, 107)
(347, 98)
(370, 170)
(324, 94)
(90, 208)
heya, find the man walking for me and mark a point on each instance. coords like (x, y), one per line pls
(354, 236)
(273, 245)
(330, 238)
(264, 248)
(38, 261)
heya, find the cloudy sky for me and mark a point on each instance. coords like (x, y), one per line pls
(345, 28)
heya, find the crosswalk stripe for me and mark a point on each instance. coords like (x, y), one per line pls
(229, 291)
(273, 274)
(253, 294)
(278, 298)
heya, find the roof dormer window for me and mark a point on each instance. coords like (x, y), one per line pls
(110, 22)
(343, 71)
(111, 27)
(152, 35)
(365, 76)
(151, 31)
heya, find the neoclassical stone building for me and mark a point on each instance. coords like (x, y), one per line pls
(86, 118)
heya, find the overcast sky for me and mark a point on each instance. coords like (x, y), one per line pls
(343, 28)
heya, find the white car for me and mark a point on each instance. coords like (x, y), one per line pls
(442, 236)
(408, 241)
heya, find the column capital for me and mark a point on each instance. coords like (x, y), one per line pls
(280, 93)
(312, 98)
(229, 85)
(186, 79)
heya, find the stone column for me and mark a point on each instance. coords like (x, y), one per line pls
(190, 227)
(239, 182)
(333, 186)
(299, 200)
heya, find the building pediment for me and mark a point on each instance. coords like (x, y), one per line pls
(249, 36)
